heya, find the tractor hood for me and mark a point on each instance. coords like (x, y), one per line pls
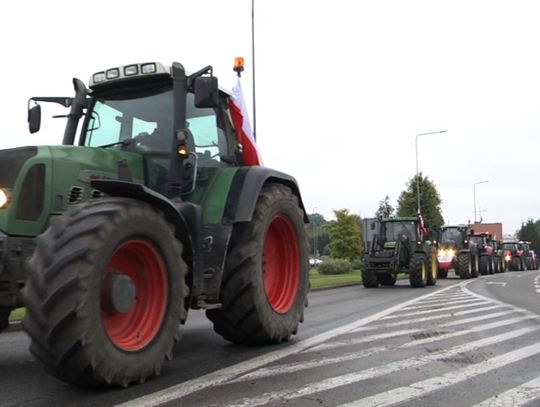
(42, 181)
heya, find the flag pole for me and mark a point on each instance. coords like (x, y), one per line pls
(253, 64)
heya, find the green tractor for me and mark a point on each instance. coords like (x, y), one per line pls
(399, 246)
(156, 206)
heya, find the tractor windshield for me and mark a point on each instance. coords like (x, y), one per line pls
(400, 231)
(141, 118)
(144, 122)
(451, 235)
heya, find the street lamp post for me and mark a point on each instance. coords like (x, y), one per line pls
(474, 196)
(417, 177)
(314, 236)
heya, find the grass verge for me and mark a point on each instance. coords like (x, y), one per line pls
(334, 280)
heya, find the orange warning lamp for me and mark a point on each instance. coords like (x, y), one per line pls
(238, 65)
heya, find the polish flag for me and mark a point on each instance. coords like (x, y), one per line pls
(244, 134)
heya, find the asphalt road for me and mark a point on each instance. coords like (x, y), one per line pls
(460, 343)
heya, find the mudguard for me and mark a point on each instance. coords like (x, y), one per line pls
(247, 184)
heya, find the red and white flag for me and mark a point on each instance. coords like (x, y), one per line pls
(240, 118)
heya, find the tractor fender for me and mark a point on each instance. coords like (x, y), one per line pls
(133, 190)
(246, 187)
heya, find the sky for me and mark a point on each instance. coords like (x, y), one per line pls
(342, 88)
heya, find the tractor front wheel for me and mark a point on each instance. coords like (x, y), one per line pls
(4, 317)
(418, 273)
(265, 281)
(369, 278)
(465, 265)
(105, 293)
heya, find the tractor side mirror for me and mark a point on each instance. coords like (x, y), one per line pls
(34, 118)
(206, 91)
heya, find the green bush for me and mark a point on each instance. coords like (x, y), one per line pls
(334, 266)
(357, 264)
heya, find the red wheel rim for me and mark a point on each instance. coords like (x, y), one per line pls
(281, 264)
(141, 262)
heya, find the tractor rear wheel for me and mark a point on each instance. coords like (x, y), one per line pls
(4, 317)
(369, 278)
(386, 279)
(484, 265)
(105, 293)
(418, 273)
(464, 264)
(265, 281)
(433, 268)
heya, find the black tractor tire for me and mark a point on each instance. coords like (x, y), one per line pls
(475, 267)
(105, 293)
(443, 273)
(369, 278)
(496, 265)
(265, 282)
(522, 264)
(387, 279)
(491, 265)
(4, 317)
(433, 268)
(484, 265)
(464, 265)
(418, 270)
(528, 263)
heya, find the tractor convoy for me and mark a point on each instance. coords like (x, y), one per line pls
(156, 206)
(157, 203)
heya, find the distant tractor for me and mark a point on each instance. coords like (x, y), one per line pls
(501, 265)
(529, 256)
(514, 256)
(456, 251)
(486, 263)
(398, 246)
(156, 206)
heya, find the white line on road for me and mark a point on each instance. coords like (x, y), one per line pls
(442, 303)
(497, 283)
(325, 361)
(411, 314)
(350, 378)
(223, 375)
(518, 396)
(418, 389)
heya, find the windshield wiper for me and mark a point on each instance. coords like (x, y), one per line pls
(123, 143)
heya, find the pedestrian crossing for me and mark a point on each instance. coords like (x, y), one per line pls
(450, 348)
(452, 326)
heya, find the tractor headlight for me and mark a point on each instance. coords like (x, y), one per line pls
(508, 257)
(4, 198)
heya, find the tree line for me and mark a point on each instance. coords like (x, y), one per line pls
(342, 237)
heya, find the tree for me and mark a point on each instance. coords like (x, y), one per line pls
(385, 209)
(430, 202)
(318, 236)
(530, 232)
(345, 236)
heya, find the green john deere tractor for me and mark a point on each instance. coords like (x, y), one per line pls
(156, 206)
(398, 247)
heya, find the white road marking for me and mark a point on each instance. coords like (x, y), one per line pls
(518, 396)
(480, 318)
(363, 339)
(324, 361)
(350, 378)
(497, 283)
(443, 303)
(401, 394)
(223, 375)
(412, 314)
